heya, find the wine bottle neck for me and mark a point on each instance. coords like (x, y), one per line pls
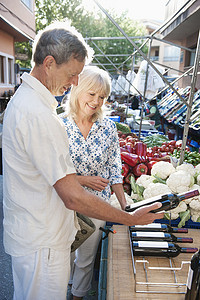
(180, 230)
(189, 250)
(184, 240)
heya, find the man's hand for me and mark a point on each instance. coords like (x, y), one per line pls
(143, 216)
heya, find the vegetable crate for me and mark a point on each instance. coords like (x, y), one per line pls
(174, 223)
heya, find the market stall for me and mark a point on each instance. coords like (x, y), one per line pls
(145, 277)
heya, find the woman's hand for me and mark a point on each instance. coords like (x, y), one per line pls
(96, 183)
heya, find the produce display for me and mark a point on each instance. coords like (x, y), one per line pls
(148, 170)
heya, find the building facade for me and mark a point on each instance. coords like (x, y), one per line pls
(17, 24)
(183, 29)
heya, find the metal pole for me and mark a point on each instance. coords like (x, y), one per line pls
(142, 54)
(190, 100)
(175, 80)
(130, 84)
(145, 88)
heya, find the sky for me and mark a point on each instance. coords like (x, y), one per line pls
(137, 9)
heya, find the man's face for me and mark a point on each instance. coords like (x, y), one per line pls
(61, 77)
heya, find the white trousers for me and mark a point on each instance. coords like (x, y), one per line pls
(83, 262)
(43, 275)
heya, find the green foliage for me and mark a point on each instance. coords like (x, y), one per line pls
(184, 216)
(90, 25)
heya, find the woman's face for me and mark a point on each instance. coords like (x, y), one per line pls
(90, 102)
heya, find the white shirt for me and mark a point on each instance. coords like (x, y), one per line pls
(36, 155)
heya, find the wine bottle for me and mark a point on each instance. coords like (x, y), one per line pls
(155, 236)
(149, 248)
(169, 201)
(193, 280)
(158, 227)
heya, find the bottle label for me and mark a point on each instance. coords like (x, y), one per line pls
(149, 244)
(189, 279)
(150, 234)
(152, 225)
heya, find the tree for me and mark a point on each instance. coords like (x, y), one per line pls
(90, 25)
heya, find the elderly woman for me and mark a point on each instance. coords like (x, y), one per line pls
(94, 149)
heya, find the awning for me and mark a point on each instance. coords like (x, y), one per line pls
(18, 34)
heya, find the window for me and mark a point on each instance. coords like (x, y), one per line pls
(192, 58)
(2, 69)
(171, 53)
(28, 3)
(6, 70)
(10, 70)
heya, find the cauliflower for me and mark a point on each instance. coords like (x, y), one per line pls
(162, 169)
(145, 180)
(198, 179)
(180, 181)
(197, 168)
(156, 189)
(135, 196)
(195, 215)
(187, 167)
(129, 199)
(195, 204)
(114, 201)
(174, 213)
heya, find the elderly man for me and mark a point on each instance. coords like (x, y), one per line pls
(41, 191)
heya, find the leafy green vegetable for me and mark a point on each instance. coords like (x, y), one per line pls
(136, 188)
(184, 216)
(167, 216)
(155, 140)
(192, 157)
(158, 179)
(122, 127)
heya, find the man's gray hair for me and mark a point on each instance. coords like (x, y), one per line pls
(61, 41)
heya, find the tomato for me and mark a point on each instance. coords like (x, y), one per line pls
(122, 143)
(172, 143)
(130, 139)
(163, 148)
(162, 154)
(155, 148)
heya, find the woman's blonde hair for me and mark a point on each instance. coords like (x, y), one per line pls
(91, 78)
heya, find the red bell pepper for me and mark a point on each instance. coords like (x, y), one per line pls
(125, 170)
(141, 151)
(144, 150)
(122, 149)
(129, 146)
(150, 165)
(130, 158)
(139, 148)
(140, 169)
